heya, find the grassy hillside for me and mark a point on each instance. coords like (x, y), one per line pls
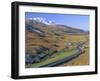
(54, 58)
(52, 39)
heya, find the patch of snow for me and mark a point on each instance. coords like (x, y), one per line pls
(42, 20)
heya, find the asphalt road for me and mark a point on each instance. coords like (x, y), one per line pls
(67, 59)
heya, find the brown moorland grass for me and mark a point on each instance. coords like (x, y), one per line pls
(34, 41)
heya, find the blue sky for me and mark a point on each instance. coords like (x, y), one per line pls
(75, 21)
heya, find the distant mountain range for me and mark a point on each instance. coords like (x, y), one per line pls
(43, 26)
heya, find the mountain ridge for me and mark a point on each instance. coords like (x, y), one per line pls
(44, 25)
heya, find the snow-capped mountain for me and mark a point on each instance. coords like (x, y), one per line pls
(41, 25)
(42, 20)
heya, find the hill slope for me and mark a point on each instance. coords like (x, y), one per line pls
(45, 39)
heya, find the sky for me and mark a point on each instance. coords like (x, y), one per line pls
(73, 20)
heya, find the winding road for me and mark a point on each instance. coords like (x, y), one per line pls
(67, 59)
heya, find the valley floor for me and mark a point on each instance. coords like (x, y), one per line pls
(83, 59)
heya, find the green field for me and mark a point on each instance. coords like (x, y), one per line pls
(57, 56)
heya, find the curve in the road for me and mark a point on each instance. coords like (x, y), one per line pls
(67, 59)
